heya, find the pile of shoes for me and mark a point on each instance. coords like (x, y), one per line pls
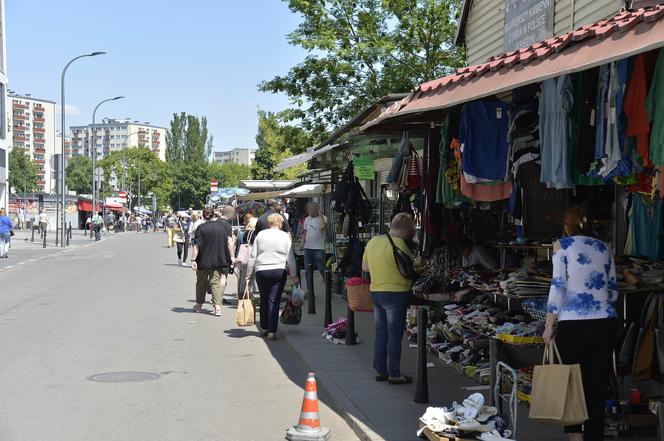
(336, 332)
(469, 420)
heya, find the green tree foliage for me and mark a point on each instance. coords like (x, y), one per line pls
(188, 139)
(361, 50)
(191, 184)
(79, 174)
(229, 174)
(156, 176)
(22, 171)
(277, 141)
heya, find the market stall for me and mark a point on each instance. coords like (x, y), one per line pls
(509, 146)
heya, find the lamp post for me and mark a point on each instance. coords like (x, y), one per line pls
(93, 151)
(124, 165)
(62, 147)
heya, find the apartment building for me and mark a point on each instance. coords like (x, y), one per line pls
(32, 125)
(116, 134)
(238, 155)
(4, 139)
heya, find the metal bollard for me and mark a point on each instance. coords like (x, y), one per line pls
(328, 298)
(44, 234)
(660, 417)
(57, 234)
(310, 286)
(69, 232)
(421, 379)
(32, 227)
(350, 328)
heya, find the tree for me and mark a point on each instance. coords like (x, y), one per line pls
(361, 50)
(156, 176)
(22, 171)
(229, 174)
(79, 174)
(188, 139)
(191, 184)
(277, 141)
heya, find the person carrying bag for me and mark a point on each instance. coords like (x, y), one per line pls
(557, 397)
(245, 315)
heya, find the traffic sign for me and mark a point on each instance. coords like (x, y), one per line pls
(214, 186)
(122, 195)
(99, 172)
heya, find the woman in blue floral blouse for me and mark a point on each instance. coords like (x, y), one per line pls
(582, 299)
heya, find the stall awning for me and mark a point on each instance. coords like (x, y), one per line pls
(85, 205)
(303, 157)
(628, 33)
(304, 191)
(259, 196)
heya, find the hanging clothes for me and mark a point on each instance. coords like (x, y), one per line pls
(486, 192)
(646, 227)
(655, 106)
(634, 104)
(556, 100)
(483, 133)
(600, 135)
(584, 121)
(612, 152)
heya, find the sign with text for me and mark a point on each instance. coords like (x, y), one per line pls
(527, 22)
(364, 168)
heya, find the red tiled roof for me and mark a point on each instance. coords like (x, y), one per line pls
(622, 22)
(626, 34)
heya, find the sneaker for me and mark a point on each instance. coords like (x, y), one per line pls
(217, 311)
(198, 308)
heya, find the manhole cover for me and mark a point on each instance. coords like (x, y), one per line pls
(124, 377)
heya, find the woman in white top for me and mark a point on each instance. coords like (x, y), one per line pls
(272, 258)
(195, 222)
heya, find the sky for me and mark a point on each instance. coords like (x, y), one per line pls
(203, 57)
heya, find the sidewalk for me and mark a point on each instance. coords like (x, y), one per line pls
(378, 411)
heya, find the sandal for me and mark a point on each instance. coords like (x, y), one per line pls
(382, 377)
(404, 379)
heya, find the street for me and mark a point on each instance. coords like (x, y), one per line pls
(122, 305)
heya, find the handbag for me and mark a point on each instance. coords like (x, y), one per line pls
(291, 315)
(404, 262)
(643, 366)
(245, 315)
(557, 394)
(359, 295)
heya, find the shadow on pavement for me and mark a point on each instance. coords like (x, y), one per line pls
(241, 333)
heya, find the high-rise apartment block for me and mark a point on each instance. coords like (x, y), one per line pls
(4, 139)
(238, 155)
(32, 124)
(116, 134)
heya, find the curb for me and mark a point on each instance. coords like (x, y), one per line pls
(338, 400)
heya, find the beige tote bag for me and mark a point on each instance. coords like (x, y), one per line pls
(245, 309)
(557, 396)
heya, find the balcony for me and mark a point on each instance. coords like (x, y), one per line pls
(19, 128)
(39, 161)
(39, 119)
(19, 138)
(38, 109)
(41, 182)
(39, 130)
(19, 106)
(41, 172)
(39, 140)
(40, 151)
(19, 117)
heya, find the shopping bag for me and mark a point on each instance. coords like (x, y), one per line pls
(297, 295)
(291, 315)
(557, 394)
(245, 310)
(244, 254)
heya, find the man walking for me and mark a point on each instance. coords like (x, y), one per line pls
(43, 222)
(211, 259)
(313, 238)
(97, 224)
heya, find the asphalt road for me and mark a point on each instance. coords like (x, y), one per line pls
(123, 305)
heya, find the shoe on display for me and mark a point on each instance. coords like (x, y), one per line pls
(473, 404)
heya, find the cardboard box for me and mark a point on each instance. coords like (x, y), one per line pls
(432, 436)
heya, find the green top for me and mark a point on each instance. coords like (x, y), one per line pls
(654, 101)
(96, 219)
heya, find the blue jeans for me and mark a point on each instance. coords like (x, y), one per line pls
(315, 258)
(390, 310)
(270, 285)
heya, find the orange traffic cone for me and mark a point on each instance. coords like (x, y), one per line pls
(309, 428)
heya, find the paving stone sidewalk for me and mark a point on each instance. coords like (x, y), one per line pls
(378, 411)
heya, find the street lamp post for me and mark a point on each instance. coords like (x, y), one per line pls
(93, 152)
(63, 188)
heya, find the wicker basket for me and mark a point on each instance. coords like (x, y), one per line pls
(359, 296)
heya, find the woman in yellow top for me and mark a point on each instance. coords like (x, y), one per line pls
(390, 292)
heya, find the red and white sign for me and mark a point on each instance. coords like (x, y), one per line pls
(214, 186)
(122, 195)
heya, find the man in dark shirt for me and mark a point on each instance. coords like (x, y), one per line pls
(273, 207)
(211, 259)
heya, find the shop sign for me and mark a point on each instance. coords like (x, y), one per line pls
(364, 168)
(527, 22)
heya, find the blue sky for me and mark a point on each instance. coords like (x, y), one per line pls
(203, 57)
